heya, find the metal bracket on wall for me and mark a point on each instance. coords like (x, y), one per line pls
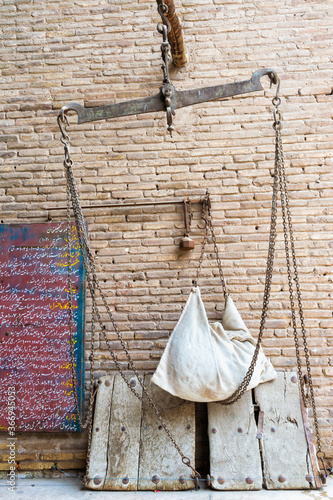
(179, 99)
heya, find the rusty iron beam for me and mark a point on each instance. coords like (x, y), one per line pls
(175, 35)
(129, 204)
(179, 99)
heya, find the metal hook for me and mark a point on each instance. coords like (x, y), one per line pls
(62, 118)
(162, 10)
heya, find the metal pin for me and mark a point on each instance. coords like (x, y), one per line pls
(97, 429)
(309, 478)
(125, 480)
(239, 430)
(294, 379)
(249, 480)
(155, 479)
(220, 480)
(188, 427)
(282, 479)
(182, 479)
(273, 429)
(132, 382)
(108, 382)
(123, 428)
(97, 480)
(214, 431)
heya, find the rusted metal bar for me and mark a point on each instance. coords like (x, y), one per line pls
(128, 204)
(175, 36)
(179, 99)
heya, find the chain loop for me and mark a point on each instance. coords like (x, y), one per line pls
(94, 286)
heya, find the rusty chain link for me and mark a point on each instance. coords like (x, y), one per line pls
(93, 286)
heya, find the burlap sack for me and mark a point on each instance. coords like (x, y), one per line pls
(207, 361)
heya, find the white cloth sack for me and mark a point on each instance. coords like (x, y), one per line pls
(207, 362)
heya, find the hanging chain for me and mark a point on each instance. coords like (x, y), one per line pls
(280, 183)
(93, 286)
(290, 245)
(206, 215)
(167, 89)
(190, 214)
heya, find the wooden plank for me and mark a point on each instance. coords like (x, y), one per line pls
(286, 461)
(235, 462)
(159, 460)
(124, 437)
(312, 449)
(99, 441)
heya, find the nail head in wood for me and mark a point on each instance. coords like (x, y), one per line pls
(155, 479)
(282, 479)
(132, 382)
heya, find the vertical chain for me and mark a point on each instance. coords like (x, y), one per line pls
(93, 285)
(287, 229)
(216, 250)
(268, 280)
(204, 241)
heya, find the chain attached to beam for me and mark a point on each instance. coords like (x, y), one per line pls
(167, 90)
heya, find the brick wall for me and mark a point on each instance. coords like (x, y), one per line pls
(98, 52)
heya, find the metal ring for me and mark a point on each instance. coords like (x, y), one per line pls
(276, 101)
(68, 163)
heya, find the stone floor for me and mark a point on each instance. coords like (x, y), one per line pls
(68, 488)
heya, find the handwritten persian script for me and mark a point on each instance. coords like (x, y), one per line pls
(34, 326)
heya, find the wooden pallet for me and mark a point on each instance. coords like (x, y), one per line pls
(129, 449)
(263, 440)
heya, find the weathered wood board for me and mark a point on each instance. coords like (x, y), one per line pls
(286, 460)
(99, 445)
(235, 462)
(129, 448)
(124, 437)
(159, 459)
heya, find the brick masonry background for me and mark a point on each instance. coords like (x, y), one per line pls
(99, 52)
